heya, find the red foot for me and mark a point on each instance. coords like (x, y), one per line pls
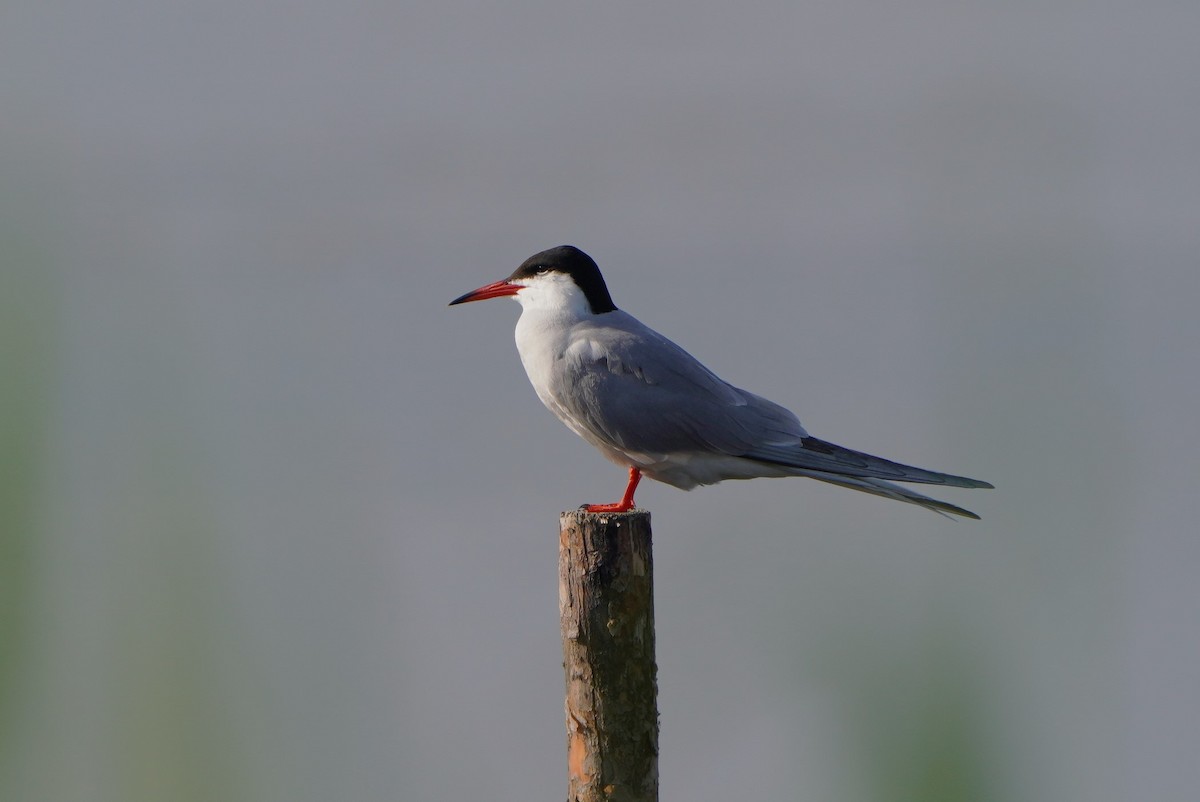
(626, 502)
(620, 506)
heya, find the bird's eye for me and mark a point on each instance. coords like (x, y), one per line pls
(541, 271)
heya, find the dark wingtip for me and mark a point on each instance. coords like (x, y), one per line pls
(945, 508)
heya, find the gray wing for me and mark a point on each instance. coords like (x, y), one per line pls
(643, 392)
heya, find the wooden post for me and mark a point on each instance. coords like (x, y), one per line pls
(606, 608)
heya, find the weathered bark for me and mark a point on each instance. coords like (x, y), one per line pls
(606, 608)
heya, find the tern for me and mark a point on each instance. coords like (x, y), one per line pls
(651, 407)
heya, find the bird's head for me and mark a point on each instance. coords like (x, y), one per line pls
(557, 279)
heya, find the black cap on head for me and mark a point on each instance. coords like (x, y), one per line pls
(576, 264)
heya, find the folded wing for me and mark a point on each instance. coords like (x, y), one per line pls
(643, 394)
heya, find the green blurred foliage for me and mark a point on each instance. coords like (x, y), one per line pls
(28, 314)
(121, 675)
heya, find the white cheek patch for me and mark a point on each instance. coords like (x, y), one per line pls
(554, 292)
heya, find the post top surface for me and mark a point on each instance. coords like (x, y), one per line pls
(584, 515)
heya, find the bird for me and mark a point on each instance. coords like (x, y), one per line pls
(651, 407)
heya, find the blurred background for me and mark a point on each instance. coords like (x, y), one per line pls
(278, 525)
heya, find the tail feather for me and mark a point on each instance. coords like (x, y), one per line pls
(814, 454)
(878, 487)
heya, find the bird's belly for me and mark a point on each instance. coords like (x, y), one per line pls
(687, 470)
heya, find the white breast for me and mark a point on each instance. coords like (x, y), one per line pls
(549, 340)
(551, 306)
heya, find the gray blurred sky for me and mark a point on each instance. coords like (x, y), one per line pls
(296, 518)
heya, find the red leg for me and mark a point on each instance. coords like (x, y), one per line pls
(626, 502)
